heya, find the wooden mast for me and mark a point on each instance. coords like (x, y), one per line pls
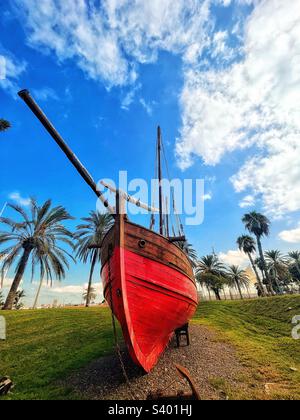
(161, 222)
(30, 102)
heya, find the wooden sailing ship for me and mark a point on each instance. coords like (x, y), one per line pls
(148, 279)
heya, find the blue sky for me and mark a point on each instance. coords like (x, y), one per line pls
(221, 77)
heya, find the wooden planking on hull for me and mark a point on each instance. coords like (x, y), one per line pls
(147, 313)
(151, 283)
(154, 247)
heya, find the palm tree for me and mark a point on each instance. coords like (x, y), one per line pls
(190, 252)
(90, 295)
(247, 244)
(238, 278)
(294, 266)
(89, 235)
(259, 225)
(278, 267)
(4, 125)
(36, 299)
(17, 303)
(2, 278)
(259, 265)
(211, 272)
(295, 256)
(1, 300)
(213, 282)
(37, 236)
(295, 259)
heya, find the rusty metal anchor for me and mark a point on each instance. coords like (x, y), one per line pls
(179, 395)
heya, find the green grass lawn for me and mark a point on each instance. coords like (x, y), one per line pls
(261, 331)
(45, 346)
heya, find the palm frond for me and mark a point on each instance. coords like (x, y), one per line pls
(41, 230)
(246, 244)
(92, 234)
(257, 223)
(4, 125)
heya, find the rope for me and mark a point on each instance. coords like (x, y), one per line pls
(117, 347)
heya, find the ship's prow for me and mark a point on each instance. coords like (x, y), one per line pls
(149, 285)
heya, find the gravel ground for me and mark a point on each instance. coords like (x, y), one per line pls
(210, 363)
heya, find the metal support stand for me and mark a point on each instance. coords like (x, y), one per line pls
(183, 332)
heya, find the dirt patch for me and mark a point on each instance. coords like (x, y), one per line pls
(214, 366)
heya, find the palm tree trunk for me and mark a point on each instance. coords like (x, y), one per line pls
(239, 289)
(37, 295)
(262, 258)
(256, 274)
(3, 279)
(279, 288)
(217, 293)
(17, 280)
(209, 294)
(297, 266)
(281, 291)
(88, 295)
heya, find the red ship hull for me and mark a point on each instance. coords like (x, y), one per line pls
(149, 285)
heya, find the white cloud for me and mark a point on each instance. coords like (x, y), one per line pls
(147, 107)
(128, 99)
(44, 94)
(2, 67)
(225, 3)
(211, 179)
(109, 39)
(63, 293)
(69, 289)
(292, 236)
(16, 196)
(232, 257)
(207, 196)
(247, 201)
(219, 46)
(7, 281)
(10, 71)
(73, 30)
(275, 176)
(254, 102)
(144, 28)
